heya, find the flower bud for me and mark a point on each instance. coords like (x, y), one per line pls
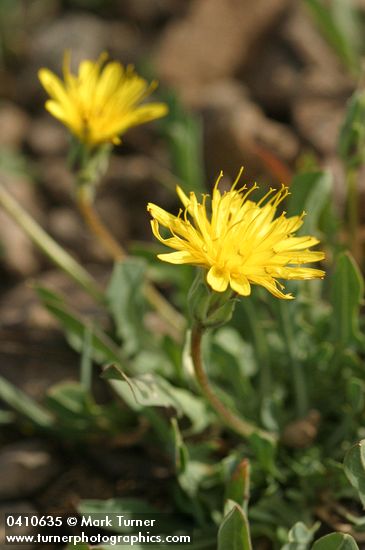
(209, 308)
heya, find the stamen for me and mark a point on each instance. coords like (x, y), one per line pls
(270, 192)
(218, 180)
(237, 178)
(253, 188)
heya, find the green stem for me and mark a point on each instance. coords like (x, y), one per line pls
(239, 425)
(48, 246)
(299, 381)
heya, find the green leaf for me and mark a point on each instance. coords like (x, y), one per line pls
(151, 390)
(346, 296)
(238, 486)
(147, 390)
(335, 541)
(234, 531)
(24, 405)
(126, 302)
(309, 192)
(300, 536)
(354, 465)
(104, 349)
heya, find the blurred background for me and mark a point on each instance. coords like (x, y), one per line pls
(262, 84)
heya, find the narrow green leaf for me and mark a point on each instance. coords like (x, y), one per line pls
(335, 541)
(354, 465)
(234, 531)
(346, 297)
(126, 302)
(23, 404)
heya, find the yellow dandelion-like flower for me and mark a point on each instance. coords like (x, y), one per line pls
(239, 241)
(101, 102)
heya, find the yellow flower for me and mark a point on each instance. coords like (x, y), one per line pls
(101, 102)
(239, 242)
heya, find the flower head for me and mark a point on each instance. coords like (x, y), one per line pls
(239, 241)
(101, 102)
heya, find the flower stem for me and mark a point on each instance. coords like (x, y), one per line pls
(117, 252)
(240, 426)
(48, 246)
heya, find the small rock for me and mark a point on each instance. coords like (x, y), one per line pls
(17, 509)
(25, 468)
(14, 124)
